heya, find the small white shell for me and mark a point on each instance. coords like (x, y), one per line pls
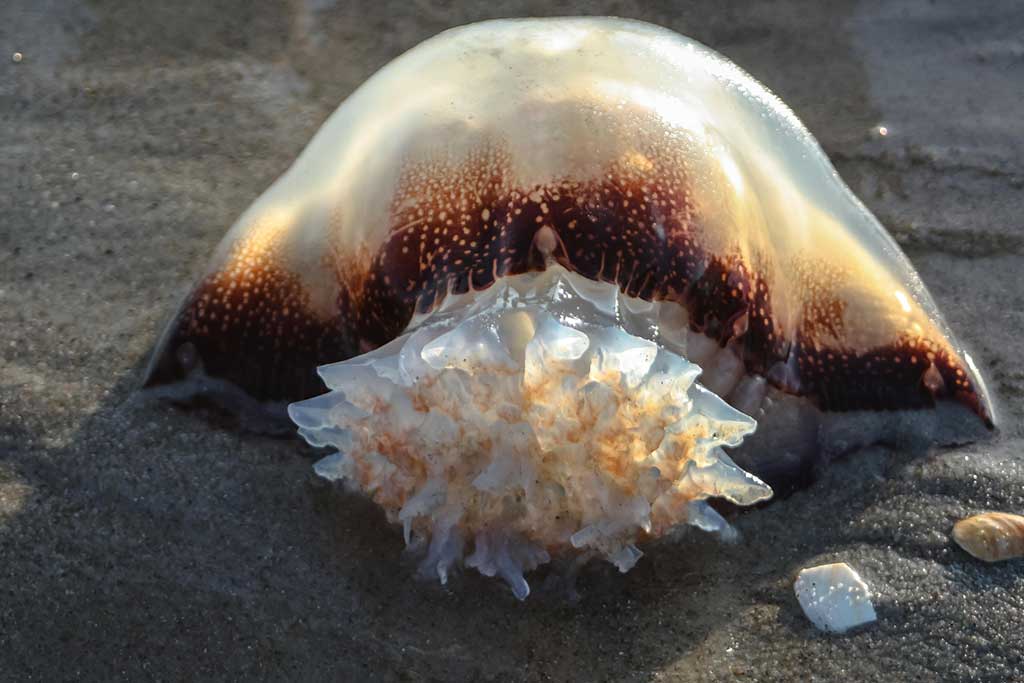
(834, 597)
(992, 536)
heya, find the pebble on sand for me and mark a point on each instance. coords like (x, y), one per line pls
(834, 597)
(991, 536)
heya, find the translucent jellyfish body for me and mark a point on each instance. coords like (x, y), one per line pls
(550, 269)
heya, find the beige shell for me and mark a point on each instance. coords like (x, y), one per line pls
(992, 536)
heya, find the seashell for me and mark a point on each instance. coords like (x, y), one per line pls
(513, 251)
(834, 597)
(991, 536)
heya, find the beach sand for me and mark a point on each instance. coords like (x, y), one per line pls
(138, 541)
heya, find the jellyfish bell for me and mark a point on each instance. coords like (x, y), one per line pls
(549, 271)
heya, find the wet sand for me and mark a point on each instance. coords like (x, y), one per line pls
(139, 541)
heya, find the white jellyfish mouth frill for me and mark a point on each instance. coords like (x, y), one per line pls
(523, 422)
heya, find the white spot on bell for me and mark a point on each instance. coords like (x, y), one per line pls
(546, 240)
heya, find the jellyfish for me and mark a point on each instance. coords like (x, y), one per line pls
(552, 287)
